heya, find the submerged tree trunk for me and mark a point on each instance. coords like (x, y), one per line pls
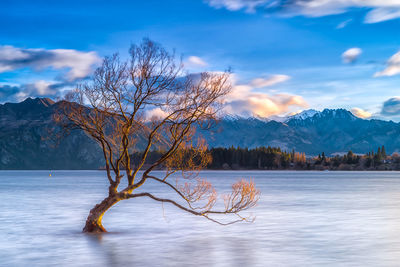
(93, 221)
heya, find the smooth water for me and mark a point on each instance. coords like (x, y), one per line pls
(303, 219)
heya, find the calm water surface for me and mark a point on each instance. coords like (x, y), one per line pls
(303, 219)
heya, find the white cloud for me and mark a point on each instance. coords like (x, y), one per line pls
(272, 80)
(20, 96)
(79, 63)
(380, 10)
(351, 55)
(196, 61)
(358, 112)
(392, 68)
(156, 113)
(10, 53)
(43, 88)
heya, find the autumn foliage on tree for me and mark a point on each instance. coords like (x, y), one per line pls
(113, 109)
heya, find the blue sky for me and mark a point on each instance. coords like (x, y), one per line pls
(286, 55)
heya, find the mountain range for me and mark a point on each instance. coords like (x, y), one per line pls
(313, 132)
(27, 138)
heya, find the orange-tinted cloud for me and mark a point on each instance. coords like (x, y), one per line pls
(358, 112)
(245, 100)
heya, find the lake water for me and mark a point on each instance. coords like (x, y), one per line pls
(302, 219)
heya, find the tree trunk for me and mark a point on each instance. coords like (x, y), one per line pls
(93, 221)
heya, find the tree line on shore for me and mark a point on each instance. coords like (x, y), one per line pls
(273, 158)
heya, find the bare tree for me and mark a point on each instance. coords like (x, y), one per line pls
(115, 109)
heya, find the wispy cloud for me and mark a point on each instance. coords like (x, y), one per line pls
(233, 5)
(384, 13)
(196, 61)
(379, 10)
(351, 55)
(343, 24)
(272, 80)
(358, 112)
(79, 64)
(392, 66)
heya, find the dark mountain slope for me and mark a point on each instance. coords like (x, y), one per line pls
(27, 141)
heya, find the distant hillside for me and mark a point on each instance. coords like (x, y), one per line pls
(26, 143)
(26, 139)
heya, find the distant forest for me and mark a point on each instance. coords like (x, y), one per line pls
(272, 158)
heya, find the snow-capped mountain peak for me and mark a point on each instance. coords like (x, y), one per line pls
(309, 113)
(232, 117)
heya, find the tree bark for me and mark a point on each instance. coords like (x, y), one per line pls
(93, 221)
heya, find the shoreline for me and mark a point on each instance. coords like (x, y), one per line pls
(216, 170)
